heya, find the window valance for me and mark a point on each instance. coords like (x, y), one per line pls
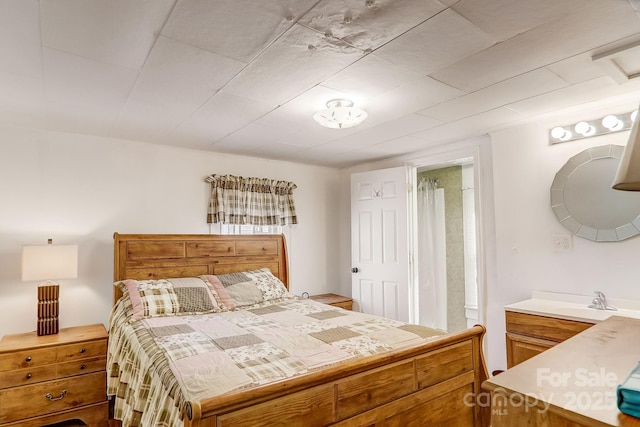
(257, 201)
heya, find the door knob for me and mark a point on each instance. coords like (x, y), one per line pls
(354, 270)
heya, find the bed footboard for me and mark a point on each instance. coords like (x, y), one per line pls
(435, 384)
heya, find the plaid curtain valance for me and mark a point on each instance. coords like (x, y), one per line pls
(256, 201)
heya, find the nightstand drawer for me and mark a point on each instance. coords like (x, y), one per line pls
(31, 358)
(84, 366)
(27, 358)
(51, 396)
(26, 376)
(334, 300)
(347, 305)
(39, 374)
(81, 350)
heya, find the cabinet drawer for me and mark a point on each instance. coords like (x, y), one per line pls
(32, 400)
(83, 366)
(27, 358)
(347, 305)
(81, 350)
(548, 328)
(334, 300)
(40, 357)
(38, 374)
(521, 348)
(26, 376)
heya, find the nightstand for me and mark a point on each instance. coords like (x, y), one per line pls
(334, 300)
(54, 378)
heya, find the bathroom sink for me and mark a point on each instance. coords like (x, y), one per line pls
(566, 307)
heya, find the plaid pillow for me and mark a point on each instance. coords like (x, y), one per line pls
(247, 288)
(151, 298)
(240, 288)
(195, 296)
(166, 297)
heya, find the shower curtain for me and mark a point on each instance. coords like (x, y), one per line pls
(432, 260)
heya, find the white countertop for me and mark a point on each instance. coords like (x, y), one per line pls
(575, 380)
(573, 307)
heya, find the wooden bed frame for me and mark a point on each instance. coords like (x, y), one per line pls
(434, 384)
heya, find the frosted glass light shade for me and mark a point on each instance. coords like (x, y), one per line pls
(611, 122)
(585, 129)
(628, 175)
(340, 114)
(49, 262)
(560, 133)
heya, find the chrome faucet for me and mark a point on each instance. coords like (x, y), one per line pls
(600, 302)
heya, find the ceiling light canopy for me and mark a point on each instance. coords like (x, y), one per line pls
(340, 114)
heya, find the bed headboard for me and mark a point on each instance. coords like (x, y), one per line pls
(158, 256)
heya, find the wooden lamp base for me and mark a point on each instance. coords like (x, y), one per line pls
(48, 309)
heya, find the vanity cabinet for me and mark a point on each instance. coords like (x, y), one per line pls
(529, 334)
(572, 384)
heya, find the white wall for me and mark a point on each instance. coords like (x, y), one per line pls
(521, 256)
(82, 189)
(524, 166)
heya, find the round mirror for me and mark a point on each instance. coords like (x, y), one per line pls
(585, 203)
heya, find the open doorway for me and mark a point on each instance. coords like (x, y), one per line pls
(445, 266)
(384, 239)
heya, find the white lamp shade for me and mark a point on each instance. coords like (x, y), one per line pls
(628, 175)
(49, 262)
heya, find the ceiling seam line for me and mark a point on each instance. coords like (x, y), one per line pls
(144, 63)
(254, 58)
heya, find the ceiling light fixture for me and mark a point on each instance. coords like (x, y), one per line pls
(340, 114)
(587, 128)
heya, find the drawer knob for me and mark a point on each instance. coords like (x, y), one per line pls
(83, 366)
(29, 376)
(28, 359)
(82, 350)
(53, 399)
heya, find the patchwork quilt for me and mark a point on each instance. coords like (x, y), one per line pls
(157, 364)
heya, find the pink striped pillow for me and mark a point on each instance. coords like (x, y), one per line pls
(226, 301)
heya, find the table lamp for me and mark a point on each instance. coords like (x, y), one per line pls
(49, 262)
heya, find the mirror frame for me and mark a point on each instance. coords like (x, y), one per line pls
(575, 225)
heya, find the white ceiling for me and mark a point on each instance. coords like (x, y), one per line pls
(246, 76)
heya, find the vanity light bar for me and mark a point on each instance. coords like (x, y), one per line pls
(585, 129)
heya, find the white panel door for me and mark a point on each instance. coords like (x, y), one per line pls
(379, 247)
